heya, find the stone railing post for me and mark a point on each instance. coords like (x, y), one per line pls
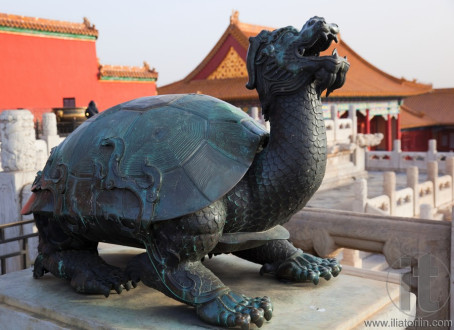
(335, 119)
(352, 258)
(352, 116)
(389, 189)
(255, 113)
(452, 267)
(360, 201)
(426, 211)
(432, 150)
(432, 175)
(413, 182)
(397, 151)
(449, 169)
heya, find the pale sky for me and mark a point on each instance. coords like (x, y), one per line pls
(405, 38)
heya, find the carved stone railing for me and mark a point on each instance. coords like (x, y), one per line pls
(425, 192)
(339, 131)
(435, 195)
(403, 241)
(398, 160)
(404, 202)
(381, 203)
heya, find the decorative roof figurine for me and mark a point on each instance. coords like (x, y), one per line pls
(190, 175)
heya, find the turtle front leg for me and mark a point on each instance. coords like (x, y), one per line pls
(173, 266)
(192, 283)
(75, 259)
(288, 263)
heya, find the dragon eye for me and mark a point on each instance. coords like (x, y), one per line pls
(300, 52)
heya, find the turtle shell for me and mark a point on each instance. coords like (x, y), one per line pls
(151, 159)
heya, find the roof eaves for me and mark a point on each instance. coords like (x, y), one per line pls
(17, 23)
(210, 55)
(233, 29)
(422, 88)
(412, 111)
(118, 72)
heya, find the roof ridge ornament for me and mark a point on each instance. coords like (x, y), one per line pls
(88, 24)
(234, 18)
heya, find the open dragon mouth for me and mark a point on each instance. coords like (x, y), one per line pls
(315, 37)
(320, 45)
(287, 60)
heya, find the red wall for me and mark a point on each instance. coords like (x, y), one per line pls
(37, 72)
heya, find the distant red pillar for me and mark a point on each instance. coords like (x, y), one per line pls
(389, 133)
(398, 133)
(367, 121)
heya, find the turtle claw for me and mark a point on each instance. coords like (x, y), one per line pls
(100, 278)
(38, 269)
(234, 310)
(118, 288)
(303, 267)
(128, 285)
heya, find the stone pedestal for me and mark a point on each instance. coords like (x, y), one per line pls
(343, 302)
(17, 134)
(50, 131)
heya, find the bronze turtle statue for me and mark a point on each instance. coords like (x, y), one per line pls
(189, 175)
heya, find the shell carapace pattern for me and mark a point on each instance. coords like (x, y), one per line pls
(159, 149)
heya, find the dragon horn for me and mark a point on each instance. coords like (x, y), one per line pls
(254, 44)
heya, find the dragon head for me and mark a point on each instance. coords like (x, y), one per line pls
(283, 61)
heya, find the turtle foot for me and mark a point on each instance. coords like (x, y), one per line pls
(100, 279)
(38, 268)
(233, 310)
(87, 272)
(303, 267)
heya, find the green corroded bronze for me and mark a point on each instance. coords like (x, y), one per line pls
(189, 175)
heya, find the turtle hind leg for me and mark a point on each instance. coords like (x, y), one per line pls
(173, 266)
(75, 259)
(288, 263)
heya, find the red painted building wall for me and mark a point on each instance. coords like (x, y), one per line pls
(416, 140)
(37, 72)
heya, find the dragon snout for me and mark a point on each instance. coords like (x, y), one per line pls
(333, 28)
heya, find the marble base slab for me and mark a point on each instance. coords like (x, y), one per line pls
(343, 302)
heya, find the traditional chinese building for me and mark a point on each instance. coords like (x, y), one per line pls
(374, 94)
(428, 116)
(46, 64)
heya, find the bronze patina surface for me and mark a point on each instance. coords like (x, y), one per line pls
(189, 175)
